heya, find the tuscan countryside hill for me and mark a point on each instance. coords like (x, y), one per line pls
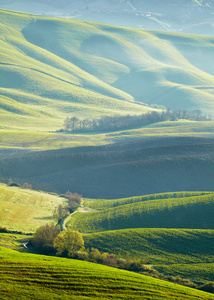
(146, 178)
(93, 69)
(56, 68)
(190, 16)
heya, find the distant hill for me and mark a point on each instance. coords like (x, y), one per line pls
(121, 170)
(190, 16)
(53, 68)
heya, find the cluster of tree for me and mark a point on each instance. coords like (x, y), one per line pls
(62, 211)
(108, 123)
(48, 239)
(25, 185)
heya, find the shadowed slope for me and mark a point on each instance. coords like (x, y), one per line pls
(121, 170)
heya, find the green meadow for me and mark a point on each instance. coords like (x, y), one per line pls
(14, 241)
(42, 277)
(50, 140)
(51, 69)
(25, 210)
(172, 232)
(182, 212)
(54, 68)
(187, 253)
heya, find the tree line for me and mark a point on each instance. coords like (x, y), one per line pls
(110, 123)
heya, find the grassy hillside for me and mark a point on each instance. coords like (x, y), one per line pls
(101, 204)
(140, 167)
(184, 212)
(14, 241)
(38, 277)
(52, 68)
(50, 140)
(157, 246)
(40, 77)
(183, 252)
(26, 210)
(186, 15)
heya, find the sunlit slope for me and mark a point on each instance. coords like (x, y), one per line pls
(51, 140)
(43, 85)
(51, 68)
(26, 210)
(185, 212)
(157, 246)
(40, 277)
(184, 252)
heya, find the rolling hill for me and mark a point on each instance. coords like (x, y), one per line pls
(114, 171)
(25, 210)
(43, 277)
(184, 16)
(180, 212)
(159, 228)
(178, 252)
(52, 68)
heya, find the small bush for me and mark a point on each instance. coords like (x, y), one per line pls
(4, 230)
(43, 239)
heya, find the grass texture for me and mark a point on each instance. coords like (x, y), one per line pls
(182, 212)
(28, 276)
(26, 210)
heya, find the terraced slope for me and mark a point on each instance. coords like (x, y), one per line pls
(25, 210)
(38, 277)
(51, 68)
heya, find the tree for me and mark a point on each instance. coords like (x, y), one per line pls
(27, 186)
(74, 200)
(61, 212)
(68, 242)
(43, 239)
(74, 122)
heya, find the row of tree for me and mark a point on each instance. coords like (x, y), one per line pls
(109, 123)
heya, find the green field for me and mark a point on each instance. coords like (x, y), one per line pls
(159, 228)
(184, 252)
(50, 140)
(14, 241)
(52, 68)
(42, 277)
(182, 212)
(157, 246)
(26, 210)
(55, 68)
